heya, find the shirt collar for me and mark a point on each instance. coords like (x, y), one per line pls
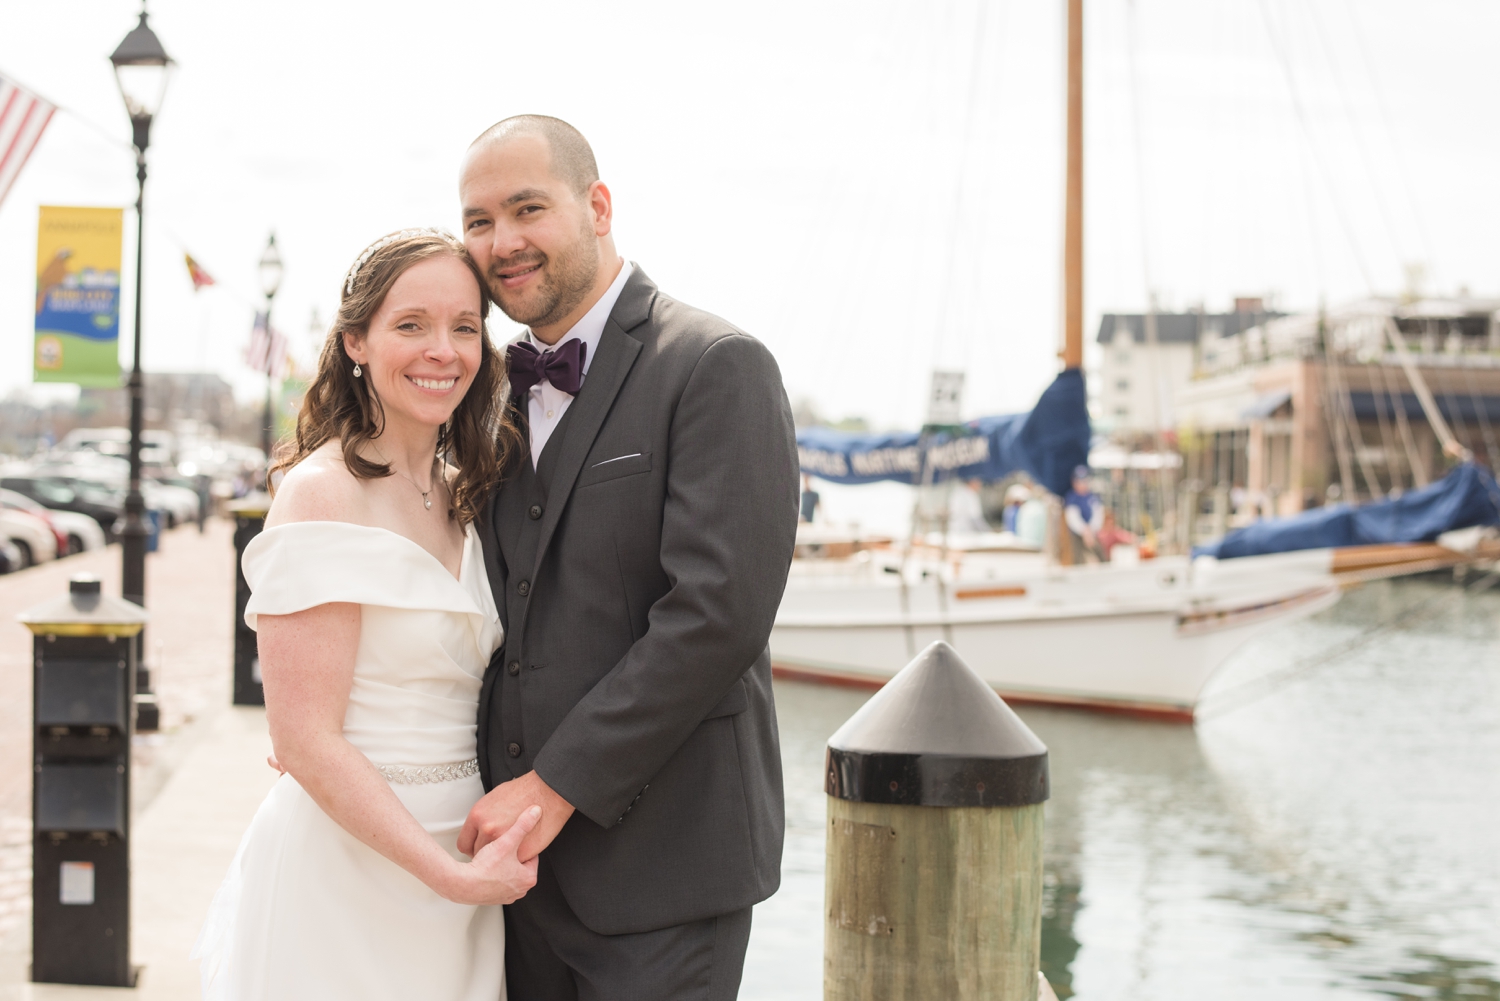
(590, 326)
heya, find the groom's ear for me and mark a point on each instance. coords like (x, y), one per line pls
(601, 207)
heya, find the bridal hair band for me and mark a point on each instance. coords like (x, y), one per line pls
(386, 241)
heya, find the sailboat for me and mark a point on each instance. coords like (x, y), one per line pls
(1142, 639)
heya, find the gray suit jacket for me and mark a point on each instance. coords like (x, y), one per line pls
(638, 571)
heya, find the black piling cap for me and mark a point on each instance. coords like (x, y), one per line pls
(937, 735)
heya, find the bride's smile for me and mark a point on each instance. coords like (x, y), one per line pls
(423, 346)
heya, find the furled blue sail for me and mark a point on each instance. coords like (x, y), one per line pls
(1467, 496)
(1047, 443)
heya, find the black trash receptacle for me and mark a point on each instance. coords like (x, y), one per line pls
(249, 519)
(84, 660)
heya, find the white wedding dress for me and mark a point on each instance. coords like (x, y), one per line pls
(307, 911)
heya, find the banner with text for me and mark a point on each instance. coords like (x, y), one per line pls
(78, 295)
(1047, 444)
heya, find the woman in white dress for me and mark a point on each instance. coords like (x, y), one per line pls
(375, 625)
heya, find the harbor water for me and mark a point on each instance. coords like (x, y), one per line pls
(1329, 829)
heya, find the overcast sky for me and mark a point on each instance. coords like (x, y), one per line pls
(873, 188)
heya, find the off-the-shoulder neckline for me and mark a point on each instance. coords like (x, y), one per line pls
(463, 559)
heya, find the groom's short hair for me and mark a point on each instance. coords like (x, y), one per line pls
(572, 156)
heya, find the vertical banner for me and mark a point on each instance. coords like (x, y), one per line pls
(78, 295)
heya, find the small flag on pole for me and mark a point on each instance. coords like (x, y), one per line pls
(197, 274)
(23, 118)
(268, 349)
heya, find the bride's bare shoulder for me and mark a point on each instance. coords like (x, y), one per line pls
(319, 488)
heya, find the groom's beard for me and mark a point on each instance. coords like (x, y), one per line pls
(565, 281)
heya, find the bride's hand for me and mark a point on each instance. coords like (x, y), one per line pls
(496, 876)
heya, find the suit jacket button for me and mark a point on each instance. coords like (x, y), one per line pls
(513, 749)
(523, 588)
(534, 512)
(513, 668)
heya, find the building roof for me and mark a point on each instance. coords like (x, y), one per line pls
(1178, 328)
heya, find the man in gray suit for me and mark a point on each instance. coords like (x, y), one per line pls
(637, 551)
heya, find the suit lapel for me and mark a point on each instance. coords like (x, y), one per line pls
(617, 353)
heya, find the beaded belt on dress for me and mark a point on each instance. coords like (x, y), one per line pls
(413, 775)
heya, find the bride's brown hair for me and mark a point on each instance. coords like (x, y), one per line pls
(478, 440)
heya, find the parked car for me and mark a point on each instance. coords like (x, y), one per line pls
(178, 504)
(76, 533)
(10, 557)
(31, 535)
(57, 494)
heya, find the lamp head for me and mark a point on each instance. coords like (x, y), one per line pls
(142, 67)
(270, 269)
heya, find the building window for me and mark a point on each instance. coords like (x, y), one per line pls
(1122, 358)
(1123, 385)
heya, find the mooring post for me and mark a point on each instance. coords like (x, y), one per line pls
(934, 877)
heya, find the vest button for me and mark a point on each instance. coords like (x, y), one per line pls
(513, 668)
(535, 511)
(513, 749)
(523, 588)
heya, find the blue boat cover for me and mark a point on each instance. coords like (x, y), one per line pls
(1048, 444)
(1467, 496)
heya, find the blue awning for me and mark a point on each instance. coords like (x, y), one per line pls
(1266, 405)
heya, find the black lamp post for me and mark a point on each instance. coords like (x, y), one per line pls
(141, 69)
(270, 281)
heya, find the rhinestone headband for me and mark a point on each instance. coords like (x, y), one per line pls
(386, 241)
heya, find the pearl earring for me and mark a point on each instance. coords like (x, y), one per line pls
(357, 370)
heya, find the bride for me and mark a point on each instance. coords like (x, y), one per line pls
(375, 625)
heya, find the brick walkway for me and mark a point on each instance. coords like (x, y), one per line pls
(190, 594)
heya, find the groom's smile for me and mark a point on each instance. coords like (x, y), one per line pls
(535, 230)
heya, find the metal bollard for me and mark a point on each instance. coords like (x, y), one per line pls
(934, 877)
(249, 519)
(84, 660)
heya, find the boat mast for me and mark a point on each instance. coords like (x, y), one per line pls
(1059, 546)
(1072, 353)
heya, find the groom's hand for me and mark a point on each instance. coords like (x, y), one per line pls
(493, 815)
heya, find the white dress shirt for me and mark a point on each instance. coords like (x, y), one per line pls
(547, 403)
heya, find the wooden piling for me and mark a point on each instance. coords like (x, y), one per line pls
(934, 841)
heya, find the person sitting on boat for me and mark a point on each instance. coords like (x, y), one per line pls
(1112, 535)
(1083, 511)
(1031, 522)
(1015, 495)
(966, 510)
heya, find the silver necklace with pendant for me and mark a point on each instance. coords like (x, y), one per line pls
(426, 494)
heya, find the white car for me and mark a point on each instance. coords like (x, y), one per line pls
(31, 535)
(178, 504)
(81, 532)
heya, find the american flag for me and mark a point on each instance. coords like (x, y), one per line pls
(23, 117)
(268, 349)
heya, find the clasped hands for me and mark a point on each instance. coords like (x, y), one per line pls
(503, 805)
(501, 809)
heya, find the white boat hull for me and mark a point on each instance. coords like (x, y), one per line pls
(1145, 641)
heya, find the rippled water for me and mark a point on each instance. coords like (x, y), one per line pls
(1329, 829)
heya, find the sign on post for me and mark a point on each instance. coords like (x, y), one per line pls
(945, 403)
(78, 296)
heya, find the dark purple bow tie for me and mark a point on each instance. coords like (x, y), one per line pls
(562, 367)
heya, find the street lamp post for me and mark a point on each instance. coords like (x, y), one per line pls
(270, 281)
(141, 69)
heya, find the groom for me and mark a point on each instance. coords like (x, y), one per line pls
(637, 551)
